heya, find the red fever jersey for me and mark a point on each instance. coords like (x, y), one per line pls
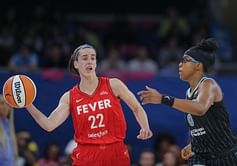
(97, 118)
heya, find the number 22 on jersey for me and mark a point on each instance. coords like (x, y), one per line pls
(97, 121)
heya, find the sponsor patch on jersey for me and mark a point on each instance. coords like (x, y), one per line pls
(198, 132)
(103, 93)
(190, 120)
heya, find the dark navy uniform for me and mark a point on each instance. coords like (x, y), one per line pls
(213, 142)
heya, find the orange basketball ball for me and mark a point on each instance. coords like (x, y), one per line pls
(19, 91)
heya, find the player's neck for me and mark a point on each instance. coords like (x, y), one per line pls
(88, 85)
(195, 80)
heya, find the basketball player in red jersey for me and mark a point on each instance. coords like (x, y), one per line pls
(98, 118)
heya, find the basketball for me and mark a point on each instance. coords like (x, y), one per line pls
(19, 91)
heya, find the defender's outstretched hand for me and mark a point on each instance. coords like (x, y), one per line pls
(150, 95)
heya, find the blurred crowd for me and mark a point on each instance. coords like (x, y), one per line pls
(164, 153)
(45, 39)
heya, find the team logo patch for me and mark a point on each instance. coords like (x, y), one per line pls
(103, 93)
(190, 120)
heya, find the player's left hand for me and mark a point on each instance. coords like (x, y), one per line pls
(150, 95)
(186, 152)
(145, 134)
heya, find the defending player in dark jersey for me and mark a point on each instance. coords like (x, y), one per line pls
(212, 141)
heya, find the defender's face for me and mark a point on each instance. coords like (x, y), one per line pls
(186, 67)
(86, 61)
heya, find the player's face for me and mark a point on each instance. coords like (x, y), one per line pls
(186, 67)
(4, 108)
(86, 62)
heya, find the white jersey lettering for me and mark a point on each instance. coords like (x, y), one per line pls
(85, 108)
(198, 132)
(93, 107)
(97, 105)
(107, 103)
(101, 104)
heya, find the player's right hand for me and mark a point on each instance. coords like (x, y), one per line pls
(186, 152)
(144, 134)
(150, 96)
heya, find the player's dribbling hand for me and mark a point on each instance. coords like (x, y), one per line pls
(150, 95)
(186, 152)
(144, 134)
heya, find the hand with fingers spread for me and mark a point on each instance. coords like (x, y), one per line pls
(150, 95)
(145, 134)
(186, 152)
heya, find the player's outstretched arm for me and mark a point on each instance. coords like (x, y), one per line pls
(56, 118)
(121, 90)
(197, 107)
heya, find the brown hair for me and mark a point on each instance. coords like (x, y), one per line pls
(74, 57)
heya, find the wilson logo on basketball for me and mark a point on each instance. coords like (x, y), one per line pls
(19, 91)
(17, 86)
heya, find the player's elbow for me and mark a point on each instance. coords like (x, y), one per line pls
(48, 128)
(201, 111)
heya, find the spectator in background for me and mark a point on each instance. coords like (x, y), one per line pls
(23, 139)
(24, 61)
(84, 34)
(54, 58)
(51, 156)
(216, 9)
(142, 62)
(162, 143)
(7, 42)
(177, 151)
(113, 62)
(173, 25)
(8, 146)
(30, 158)
(170, 52)
(170, 70)
(28, 149)
(169, 159)
(168, 56)
(147, 158)
(172, 157)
